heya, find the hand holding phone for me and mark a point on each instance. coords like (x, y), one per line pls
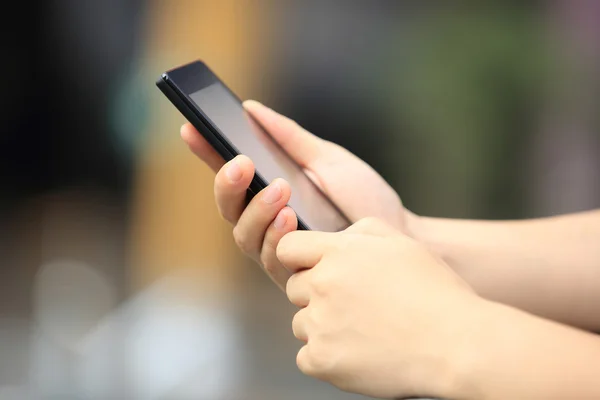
(219, 116)
(345, 179)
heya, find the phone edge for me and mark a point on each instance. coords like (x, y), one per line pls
(258, 183)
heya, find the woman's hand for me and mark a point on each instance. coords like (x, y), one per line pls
(379, 314)
(260, 225)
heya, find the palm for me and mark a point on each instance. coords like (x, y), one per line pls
(356, 188)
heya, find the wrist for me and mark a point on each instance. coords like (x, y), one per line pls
(488, 351)
(420, 228)
(517, 355)
(458, 359)
(440, 238)
(412, 224)
(468, 357)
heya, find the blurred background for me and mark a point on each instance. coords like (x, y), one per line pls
(118, 280)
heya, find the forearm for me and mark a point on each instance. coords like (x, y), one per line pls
(520, 356)
(550, 266)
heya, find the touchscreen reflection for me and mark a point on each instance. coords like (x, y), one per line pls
(249, 138)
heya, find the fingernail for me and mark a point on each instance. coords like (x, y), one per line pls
(233, 171)
(272, 193)
(280, 221)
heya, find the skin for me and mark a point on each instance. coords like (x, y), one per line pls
(382, 316)
(375, 299)
(334, 169)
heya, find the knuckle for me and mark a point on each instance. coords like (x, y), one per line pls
(241, 240)
(296, 323)
(285, 123)
(346, 245)
(368, 224)
(225, 215)
(266, 262)
(370, 221)
(293, 123)
(406, 243)
(322, 282)
(332, 147)
(270, 266)
(319, 362)
(303, 363)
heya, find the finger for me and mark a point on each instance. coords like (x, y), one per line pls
(285, 222)
(249, 232)
(298, 289)
(372, 226)
(303, 361)
(299, 325)
(231, 183)
(304, 249)
(303, 146)
(201, 147)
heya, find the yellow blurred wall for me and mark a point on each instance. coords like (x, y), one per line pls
(175, 223)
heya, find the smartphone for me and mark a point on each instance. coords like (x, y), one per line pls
(217, 113)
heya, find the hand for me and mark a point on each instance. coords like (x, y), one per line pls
(379, 314)
(260, 225)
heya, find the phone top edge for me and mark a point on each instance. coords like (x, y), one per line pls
(186, 65)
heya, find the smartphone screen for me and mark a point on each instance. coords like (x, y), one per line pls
(226, 118)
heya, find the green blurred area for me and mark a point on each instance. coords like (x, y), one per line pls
(466, 94)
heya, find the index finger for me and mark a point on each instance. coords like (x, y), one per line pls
(201, 147)
(299, 250)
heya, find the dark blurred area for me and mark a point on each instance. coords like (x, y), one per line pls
(117, 277)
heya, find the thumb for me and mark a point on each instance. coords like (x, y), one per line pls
(372, 226)
(301, 145)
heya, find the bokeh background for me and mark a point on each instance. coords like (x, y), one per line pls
(118, 280)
